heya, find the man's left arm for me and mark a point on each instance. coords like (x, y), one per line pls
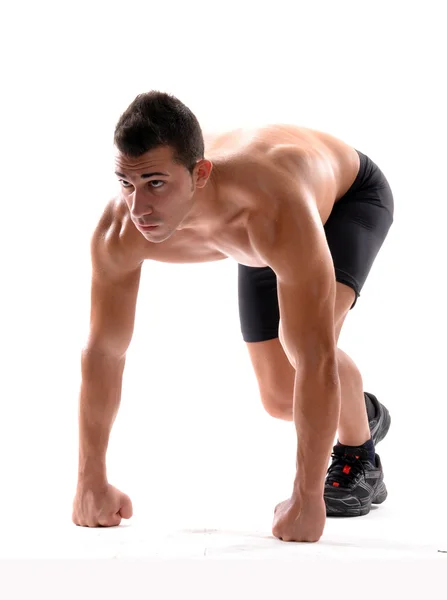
(295, 247)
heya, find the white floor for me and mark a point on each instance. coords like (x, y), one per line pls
(202, 516)
(406, 548)
(387, 532)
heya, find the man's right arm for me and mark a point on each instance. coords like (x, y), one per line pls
(114, 290)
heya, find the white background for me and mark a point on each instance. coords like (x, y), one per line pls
(192, 443)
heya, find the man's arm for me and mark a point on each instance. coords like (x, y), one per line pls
(114, 291)
(295, 247)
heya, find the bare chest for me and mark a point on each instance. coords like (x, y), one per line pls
(235, 243)
(230, 241)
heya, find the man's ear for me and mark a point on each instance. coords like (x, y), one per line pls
(202, 172)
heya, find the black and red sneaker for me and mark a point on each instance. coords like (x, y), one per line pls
(353, 483)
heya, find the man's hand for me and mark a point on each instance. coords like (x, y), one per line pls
(99, 504)
(299, 520)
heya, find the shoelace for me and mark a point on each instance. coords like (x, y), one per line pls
(345, 468)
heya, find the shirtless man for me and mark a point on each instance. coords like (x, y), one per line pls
(304, 215)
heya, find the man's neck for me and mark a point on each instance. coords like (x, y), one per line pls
(208, 210)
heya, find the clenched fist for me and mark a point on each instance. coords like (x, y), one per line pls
(100, 505)
(299, 520)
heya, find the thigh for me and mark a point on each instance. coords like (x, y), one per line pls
(258, 303)
(259, 308)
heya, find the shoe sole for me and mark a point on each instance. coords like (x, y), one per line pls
(357, 511)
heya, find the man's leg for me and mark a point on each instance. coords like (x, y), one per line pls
(353, 428)
(275, 376)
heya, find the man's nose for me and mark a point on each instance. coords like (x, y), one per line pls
(139, 204)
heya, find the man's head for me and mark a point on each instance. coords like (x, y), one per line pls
(159, 162)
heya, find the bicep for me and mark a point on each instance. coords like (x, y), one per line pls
(114, 290)
(299, 254)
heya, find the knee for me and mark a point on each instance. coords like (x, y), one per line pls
(345, 363)
(277, 407)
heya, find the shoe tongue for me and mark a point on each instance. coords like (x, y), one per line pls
(350, 452)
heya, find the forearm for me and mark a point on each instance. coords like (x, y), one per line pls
(316, 410)
(99, 402)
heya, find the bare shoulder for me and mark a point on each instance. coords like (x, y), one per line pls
(300, 188)
(116, 248)
(292, 240)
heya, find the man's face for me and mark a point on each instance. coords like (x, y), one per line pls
(157, 191)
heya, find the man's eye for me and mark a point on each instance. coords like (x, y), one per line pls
(158, 183)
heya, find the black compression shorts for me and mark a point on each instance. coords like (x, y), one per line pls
(355, 232)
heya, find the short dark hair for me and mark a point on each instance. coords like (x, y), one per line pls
(158, 119)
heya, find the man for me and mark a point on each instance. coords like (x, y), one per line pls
(304, 215)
